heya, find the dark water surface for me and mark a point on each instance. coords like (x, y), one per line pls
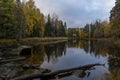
(69, 55)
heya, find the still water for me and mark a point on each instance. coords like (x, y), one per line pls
(70, 54)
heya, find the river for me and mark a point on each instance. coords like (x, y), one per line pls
(66, 55)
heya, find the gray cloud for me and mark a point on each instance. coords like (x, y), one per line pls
(77, 12)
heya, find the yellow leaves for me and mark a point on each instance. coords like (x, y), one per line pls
(83, 33)
(78, 33)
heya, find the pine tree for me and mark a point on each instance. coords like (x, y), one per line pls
(49, 31)
(115, 20)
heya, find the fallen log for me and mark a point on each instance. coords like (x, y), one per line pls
(11, 60)
(46, 76)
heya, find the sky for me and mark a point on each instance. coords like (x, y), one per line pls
(77, 13)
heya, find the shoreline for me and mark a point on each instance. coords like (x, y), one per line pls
(32, 41)
(47, 40)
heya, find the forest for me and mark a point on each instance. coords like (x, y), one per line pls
(22, 19)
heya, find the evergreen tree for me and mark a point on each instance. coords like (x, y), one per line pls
(56, 27)
(8, 23)
(115, 20)
(48, 27)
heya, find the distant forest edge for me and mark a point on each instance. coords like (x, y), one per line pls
(100, 29)
(22, 19)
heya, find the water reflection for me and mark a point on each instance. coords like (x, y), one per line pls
(96, 47)
(37, 56)
(53, 51)
(77, 53)
(104, 49)
(70, 54)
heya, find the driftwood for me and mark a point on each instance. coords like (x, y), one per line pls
(46, 76)
(11, 60)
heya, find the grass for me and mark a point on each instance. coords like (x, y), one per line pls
(34, 40)
(2, 41)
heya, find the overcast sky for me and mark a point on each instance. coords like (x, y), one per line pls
(77, 12)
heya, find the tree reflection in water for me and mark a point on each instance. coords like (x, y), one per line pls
(94, 47)
(102, 48)
(52, 52)
(46, 52)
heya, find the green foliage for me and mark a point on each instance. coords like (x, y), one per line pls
(49, 27)
(23, 19)
(98, 29)
(55, 28)
(7, 19)
(115, 20)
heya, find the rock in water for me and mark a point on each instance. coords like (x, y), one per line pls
(26, 50)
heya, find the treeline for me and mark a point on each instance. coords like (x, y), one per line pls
(77, 33)
(21, 19)
(100, 29)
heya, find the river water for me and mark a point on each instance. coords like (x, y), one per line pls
(66, 55)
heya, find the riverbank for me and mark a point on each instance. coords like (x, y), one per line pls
(32, 41)
(49, 40)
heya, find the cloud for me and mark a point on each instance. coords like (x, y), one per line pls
(77, 12)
